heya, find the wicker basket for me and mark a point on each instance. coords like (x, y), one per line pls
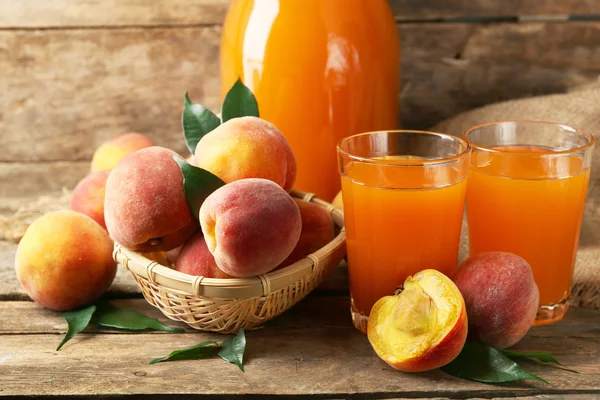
(226, 305)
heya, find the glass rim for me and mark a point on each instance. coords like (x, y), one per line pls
(419, 162)
(549, 153)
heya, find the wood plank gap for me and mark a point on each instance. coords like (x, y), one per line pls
(459, 395)
(501, 19)
(107, 27)
(399, 21)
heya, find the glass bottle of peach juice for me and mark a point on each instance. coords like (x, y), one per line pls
(320, 70)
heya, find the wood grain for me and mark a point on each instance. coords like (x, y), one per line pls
(311, 357)
(85, 86)
(579, 322)
(90, 13)
(24, 181)
(118, 13)
(437, 9)
(451, 68)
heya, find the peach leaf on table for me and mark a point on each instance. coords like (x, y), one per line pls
(231, 350)
(480, 363)
(107, 315)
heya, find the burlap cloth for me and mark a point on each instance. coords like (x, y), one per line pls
(579, 108)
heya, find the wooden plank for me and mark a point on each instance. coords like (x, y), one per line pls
(87, 86)
(540, 397)
(437, 9)
(308, 356)
(91, 13)
(451, 68)
(25, 181)
(134, 79)
(34, 319)
(117, 13)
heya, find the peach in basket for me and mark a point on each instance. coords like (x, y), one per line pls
(250, 226)
(226, 305)
(239, 189)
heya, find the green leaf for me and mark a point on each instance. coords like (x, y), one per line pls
(196, 352)
(239, 102)
(481, 363)
(77, 321)
(544, 357)
(232, 349)
(197, 121)
(126, 318)
(198, 184)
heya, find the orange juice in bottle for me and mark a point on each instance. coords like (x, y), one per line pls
(320, 70)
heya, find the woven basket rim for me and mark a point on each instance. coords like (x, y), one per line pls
(261, 285)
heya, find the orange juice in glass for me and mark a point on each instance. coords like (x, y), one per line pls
(526, 193)
(403, 205)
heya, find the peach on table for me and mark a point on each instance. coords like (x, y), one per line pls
(501, 297)
(88, 196)
(64, 260)
(423, 327)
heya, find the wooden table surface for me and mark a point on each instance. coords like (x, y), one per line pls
(312, 350)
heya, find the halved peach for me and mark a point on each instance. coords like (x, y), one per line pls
(421, 328)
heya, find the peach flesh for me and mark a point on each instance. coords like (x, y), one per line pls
(422, 328)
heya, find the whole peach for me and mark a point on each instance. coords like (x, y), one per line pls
(112, 151)
(250, 226)
(195, 259)
(88, 196)
(317, 230)
(145, 206)
(501, 297)
(64, 260)
(247, 147)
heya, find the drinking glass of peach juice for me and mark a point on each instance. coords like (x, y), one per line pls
(403, 196)
(526, 194)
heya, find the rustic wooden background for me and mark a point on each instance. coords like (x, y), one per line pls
(76, 72)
